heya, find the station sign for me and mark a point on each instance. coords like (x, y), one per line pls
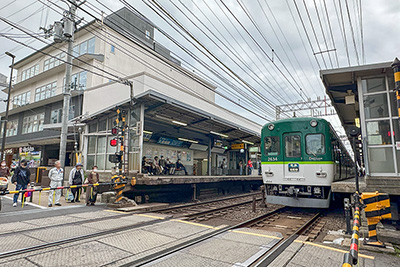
(255, 149)
(237, 146)
(169, 141)
(218, 143)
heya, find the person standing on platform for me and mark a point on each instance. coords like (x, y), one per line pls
(240, 167)
(21, 179)
(91, 191)
(163, 164)
(4, 170)
(250, 167)
(76, 178)
(224, 166)
(56, 176)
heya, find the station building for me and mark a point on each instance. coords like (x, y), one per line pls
(364, 96)
(178, 116)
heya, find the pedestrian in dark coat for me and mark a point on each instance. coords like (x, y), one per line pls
(21, 179)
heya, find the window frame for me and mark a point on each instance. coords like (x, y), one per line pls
(278, 146)
(292, 135)
(323, 142)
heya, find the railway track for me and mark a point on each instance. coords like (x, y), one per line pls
(192, 206)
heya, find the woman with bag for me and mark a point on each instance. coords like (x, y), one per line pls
(91, 191)
(76, 177)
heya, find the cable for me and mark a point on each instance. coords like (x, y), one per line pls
(323, 32)
(313, 30)
(352, 32)
(331, 32)
(248, 33)
(362, 33)
(163, 62)
(344, 33)
(244, 63)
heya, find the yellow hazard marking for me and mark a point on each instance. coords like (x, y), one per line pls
(334, 249)
(354, 236)
(346, 265)
(150, 216)
(255, 234)
(196, 224)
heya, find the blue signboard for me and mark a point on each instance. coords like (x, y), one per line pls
(169, 141)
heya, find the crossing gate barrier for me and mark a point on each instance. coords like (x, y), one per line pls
(377, 208)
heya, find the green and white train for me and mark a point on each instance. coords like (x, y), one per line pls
(301, 157)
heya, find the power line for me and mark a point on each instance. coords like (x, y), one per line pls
(362, 33)
(331, 32)
(323, 32)
(280, 71)
(352, 32)
(313, 30)
(344, 32)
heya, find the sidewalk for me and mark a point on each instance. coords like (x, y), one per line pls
(41, 198)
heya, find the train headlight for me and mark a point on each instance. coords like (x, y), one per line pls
(271, 127)
(313, 123)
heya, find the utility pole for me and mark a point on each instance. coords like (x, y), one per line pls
(63, 31)
(3, 141)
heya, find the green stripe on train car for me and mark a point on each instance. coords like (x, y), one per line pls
(300, 162)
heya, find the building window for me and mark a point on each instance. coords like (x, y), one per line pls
(56, 115)
(12, 128)
(28, 73)
(80, 79)
(99, 147)
(22, 99)
(33, 123)
(84, 47)
(112, 49)
(54, 61)
(148, 35)
(45, 91)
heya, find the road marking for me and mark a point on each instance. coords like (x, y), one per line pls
(29, 203)
(196, 224)
(255, 234)
(151, 216)
(334, 249)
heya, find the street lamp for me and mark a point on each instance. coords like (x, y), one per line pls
(3, 141)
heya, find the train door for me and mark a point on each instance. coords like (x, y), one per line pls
(292, 156)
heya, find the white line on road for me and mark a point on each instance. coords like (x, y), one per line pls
(29, 203)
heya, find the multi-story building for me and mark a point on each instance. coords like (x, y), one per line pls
(176, 103)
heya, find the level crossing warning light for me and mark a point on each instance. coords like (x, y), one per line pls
(113, 142)
(114, 131)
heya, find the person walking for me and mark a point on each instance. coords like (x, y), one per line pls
(224, 166)
(21, 179)
(4, 170)
(91, 191)
(56, 176)
(76, 178)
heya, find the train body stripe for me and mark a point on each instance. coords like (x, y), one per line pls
(299, 162)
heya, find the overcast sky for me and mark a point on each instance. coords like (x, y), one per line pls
(288, 40)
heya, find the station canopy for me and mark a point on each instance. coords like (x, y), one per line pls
(168, 117)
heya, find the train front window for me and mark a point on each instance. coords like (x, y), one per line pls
(315, 144)
(271, 146)
(293, 146)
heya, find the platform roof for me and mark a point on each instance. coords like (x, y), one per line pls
(339, 82)
(160, 110)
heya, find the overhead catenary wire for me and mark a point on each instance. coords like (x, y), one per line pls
(323, 32)
(331, 33)
(128, 53)
(304, 97)
(344, 33)
(243, 62)
(352, 32)
(175, 42)
(314, 33)
(209, 54)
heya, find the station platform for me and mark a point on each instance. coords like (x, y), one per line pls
(384, 184)
(191, 179)
(97, 236)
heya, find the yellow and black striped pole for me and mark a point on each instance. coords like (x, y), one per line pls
(396, 71)
(377, 207)
(119, 188)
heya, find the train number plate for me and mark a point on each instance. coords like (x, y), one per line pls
(294, 167)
